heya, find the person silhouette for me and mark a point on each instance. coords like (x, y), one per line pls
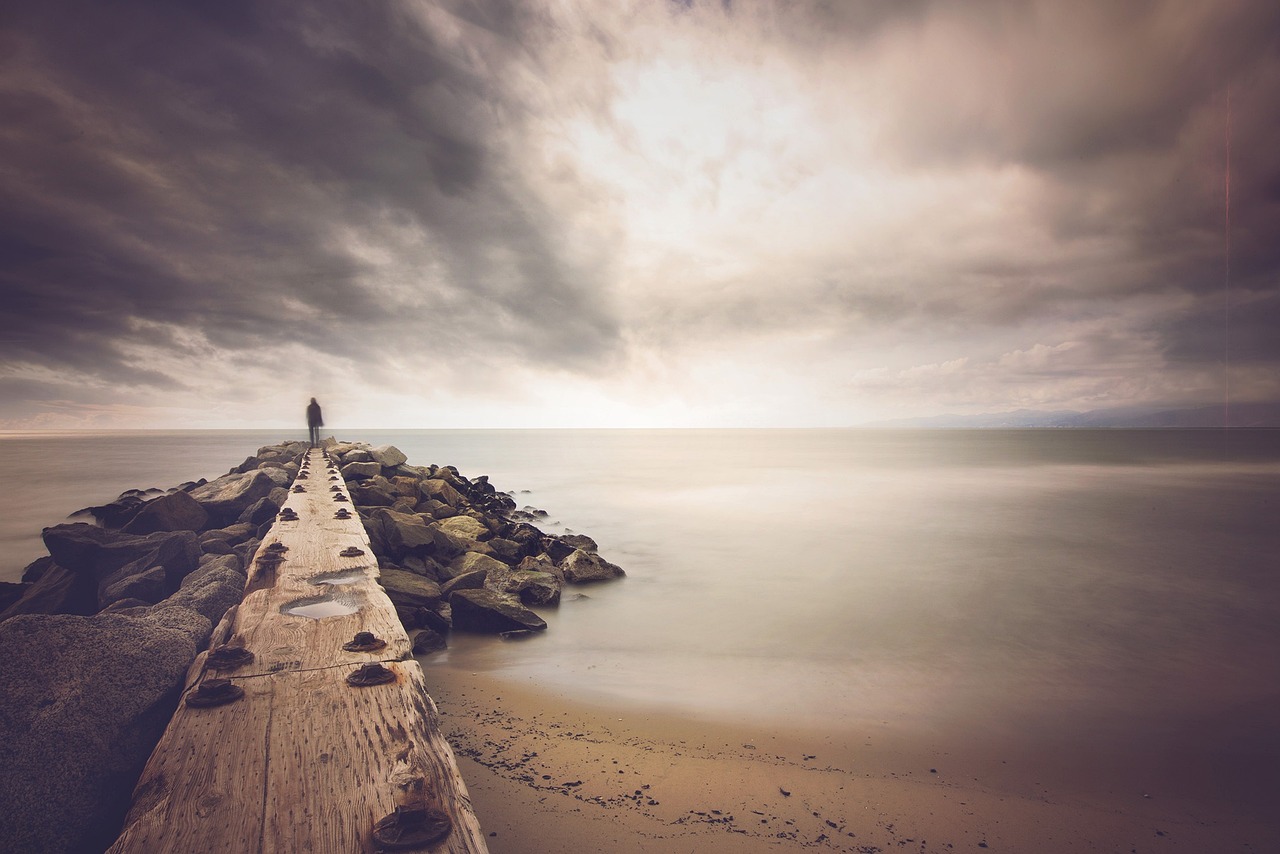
(314, 422)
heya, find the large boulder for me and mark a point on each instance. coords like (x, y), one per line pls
(149, 585)
(360, 471)
(210, 590)
(532, 588)
(227, 497)
(388, 456)
(58, 590)
(442, 491)
(475, 562)
(408, 590)
(83, 701)
(173, 511)
(473, 580)
(465, 527)
(110, 556)
(374, 492)
(401, 533)
(486, 611)
(583, 566)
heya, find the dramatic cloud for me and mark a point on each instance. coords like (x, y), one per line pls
(560, 213)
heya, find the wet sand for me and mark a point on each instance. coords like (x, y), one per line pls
(550, 774)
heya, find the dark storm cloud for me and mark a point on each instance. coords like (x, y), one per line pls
(188, 164)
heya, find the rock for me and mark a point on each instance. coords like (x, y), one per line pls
(193, 624)
(428, 641)
(58, 591)
(359, 455)
(210, 593)
(465, 527)
(508, 551)
(360, 471)
(580, 541)
(83, 701)
(443, 492)
(174, 511)
(557, 549)
(227, 497)
(404, 505)
(118, 512)
(10, 592)
(36, 568)
(149, 586)
(439, 619)
(535, 588)
(262, 510)
(388, 456)
(486, 611)
(374, 492)
(401, 533)
(177, 551)
(406, 589)
(473, 580)
(128, 608)
(580, 567)
(475, 562)
(280, 476)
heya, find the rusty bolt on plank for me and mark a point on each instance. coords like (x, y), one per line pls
(371, 674)
(299, 488)
(339, 497)
(409, 828)
(364, 642)
(351, 551)
(288, 514)
(214, 692)
(229, 657)
(343, 513)
(335, 488)
(277, 546)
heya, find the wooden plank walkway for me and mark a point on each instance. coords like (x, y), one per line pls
(305, 761)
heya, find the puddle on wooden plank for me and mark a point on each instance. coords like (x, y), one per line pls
(319, 607)
(342, 576)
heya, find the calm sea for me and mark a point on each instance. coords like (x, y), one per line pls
(1057, 584)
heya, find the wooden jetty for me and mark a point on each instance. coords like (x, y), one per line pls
(291, 756)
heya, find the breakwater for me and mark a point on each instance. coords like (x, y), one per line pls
(144, 588)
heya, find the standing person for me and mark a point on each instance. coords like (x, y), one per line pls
(314, 422)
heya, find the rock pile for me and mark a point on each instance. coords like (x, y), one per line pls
(455, 552)
(98, 636)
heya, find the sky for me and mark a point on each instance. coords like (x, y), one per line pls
(490, 213)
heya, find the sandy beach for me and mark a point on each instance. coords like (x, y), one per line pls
(550, 774)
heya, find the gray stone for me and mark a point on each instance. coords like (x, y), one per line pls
(359, 455)
(401, 533)
(486, 611)
(388, 456)
(174, 511)
(227, 497)
(36, 568)
(475, 562)
(473, 580)
(374, 492)
(428, 641)
(149, 585)
(210, 594)
(442, 491)
(580, 567)
(580, 541)
(465, 528)
(360, 471)
(83, 701)
(128, 608)
(262, 510)
(12, 591)
(58, 591)
(192, 623)
(408, 590)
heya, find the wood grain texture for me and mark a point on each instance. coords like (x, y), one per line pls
(304, 762)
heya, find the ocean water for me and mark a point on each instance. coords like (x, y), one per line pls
(1108, 587)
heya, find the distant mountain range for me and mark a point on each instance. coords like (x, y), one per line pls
(1242, 415)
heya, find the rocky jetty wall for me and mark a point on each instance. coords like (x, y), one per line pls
(98, 637)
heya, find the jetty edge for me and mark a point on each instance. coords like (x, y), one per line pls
(351, 757)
